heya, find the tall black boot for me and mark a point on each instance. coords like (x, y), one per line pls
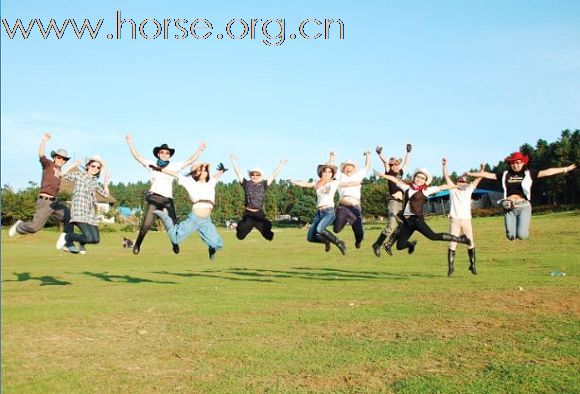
(138, 241)
(461, 239)
(450, 261)
(378, 243)
(391, 241)
(471, 253)
(334, 239)
(321, 239)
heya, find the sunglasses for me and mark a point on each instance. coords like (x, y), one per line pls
(421, 177)
(98, 167)
(255, 174)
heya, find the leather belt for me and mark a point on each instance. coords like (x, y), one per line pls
(47, 198)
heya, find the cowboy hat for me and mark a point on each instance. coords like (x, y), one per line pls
(164, 146)
(255, 169)
(60, 152)
(517, 156)
(96, 158)
(321, 168)
(195, 167)
(347, 163)
(425, 172)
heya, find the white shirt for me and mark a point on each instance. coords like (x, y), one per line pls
(351, 191)
(428, 191)
(460, 201)
(325, 194)
(162, 183)
(198, 190)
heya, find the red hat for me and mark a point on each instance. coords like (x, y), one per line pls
(517, 156)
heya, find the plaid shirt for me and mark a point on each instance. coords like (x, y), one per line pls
(84, 201)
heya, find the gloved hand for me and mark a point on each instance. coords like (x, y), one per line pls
(379, 149)
(221, 167)
(409, 147)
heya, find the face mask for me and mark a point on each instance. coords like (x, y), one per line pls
(162, 163)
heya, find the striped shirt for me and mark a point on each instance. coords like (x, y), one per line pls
(84, 200)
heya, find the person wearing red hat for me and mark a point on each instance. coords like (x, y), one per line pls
(460, 216)
(517, 183)
(160, 195)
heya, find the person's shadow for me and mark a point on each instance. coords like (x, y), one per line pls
(122, 278)
(44, 280)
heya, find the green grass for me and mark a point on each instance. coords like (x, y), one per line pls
(284, 316)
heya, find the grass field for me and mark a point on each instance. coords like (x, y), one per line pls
(286, 317)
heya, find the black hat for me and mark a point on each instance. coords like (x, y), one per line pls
(164, 146)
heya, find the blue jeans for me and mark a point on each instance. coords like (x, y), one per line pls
(193, 223)
(517, 221)
(322, 219)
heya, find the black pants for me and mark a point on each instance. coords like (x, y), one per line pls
(256, 220)
(413, 223)
(349, 215)
(89, 235)
(155, 202)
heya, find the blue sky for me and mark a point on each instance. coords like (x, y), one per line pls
(470, 80)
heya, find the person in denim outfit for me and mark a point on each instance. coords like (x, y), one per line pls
(201, 190)
(517, 183)
(325, 188)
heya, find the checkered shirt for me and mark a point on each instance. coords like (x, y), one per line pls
(84, 201)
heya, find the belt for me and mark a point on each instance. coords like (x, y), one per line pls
(46, 198)
(520, 203)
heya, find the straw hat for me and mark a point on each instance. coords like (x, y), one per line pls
(255, 169)
(347, 163)
(60, 152)
(321, 168)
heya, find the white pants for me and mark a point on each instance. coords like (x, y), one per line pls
(458, 227)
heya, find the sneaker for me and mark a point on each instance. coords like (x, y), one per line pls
(82, 249)
(412, 245)
(12, 232)
(212, 252)
(72, 249)
(377, 250)
(61, 241)
(388, 249)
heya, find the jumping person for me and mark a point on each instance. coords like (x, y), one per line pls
(160, 195)
(349, 198)
(255, 194)
(413, 219)
(47, 203)
(201, 190)
(460, 216)
(517, 183)
(394, 167)
(84, 205)
(325, 188)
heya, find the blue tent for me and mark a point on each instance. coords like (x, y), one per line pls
(476, 192)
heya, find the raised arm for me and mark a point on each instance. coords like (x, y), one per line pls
(302, 184)
(476, 181)
(133, 150)
(445, 172)
(555, 171)
(368, 160)
(104, 191)
(277, 171)
(379, 150)
(237, 170)
(71, 167)
(220, 171)
(43, 141)
(332, 157)
(407, 158)
(195, 156)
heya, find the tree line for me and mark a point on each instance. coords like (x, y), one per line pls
(284, 198)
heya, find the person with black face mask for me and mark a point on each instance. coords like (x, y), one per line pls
(160, 195)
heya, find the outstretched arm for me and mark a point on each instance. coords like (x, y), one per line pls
(133, 150)
(388, 177)
(43, 141)
(555, 171)
(483, 174)
(237, 168)
(277, 171)
(70, 168)
(302, 184)
(195, 156)
(368, 160)
(407, 158)
(476, 181)
(445, 172)
(379, 150)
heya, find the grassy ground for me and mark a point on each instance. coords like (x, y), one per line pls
(287, 317)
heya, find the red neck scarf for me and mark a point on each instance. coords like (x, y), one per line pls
(418, 188)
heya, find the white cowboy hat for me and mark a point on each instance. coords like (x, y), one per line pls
(98, 159)
(425, 172)
(321, 168)
(255, 169)
(347, 163)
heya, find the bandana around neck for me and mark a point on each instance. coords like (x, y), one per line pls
(415, 187)
(162, 163)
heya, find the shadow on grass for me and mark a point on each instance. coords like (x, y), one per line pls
(123, 278)
(267, 275)
(44, 280)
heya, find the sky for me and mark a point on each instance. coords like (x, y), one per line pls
(468, 80)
